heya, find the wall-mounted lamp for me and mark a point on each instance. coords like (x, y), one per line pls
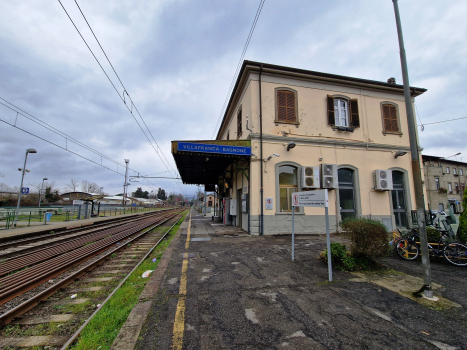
(272, 156)
(290, 145)
(246, 117)
(400, 153)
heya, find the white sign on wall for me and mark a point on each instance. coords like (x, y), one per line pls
(317, 198)
(78, 202)
(269, 204)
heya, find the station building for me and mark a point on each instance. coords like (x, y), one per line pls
(287, 130)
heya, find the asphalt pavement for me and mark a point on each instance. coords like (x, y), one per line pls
(226, 289)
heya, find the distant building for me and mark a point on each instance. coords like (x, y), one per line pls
(444, 182)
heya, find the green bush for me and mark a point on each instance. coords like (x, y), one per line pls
(342, 260)
(369, 239)
(462, 232)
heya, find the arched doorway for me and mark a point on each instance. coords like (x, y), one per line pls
(399, 204)
(346, 193)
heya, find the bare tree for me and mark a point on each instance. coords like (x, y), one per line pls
(72, 186)
(4, 187)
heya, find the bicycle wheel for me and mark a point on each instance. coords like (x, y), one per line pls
(407, 250)
(456, 254)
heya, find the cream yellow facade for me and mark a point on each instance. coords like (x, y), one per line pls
(360, 148)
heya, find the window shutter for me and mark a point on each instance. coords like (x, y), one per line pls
(286, 106)
(331, 119)
(281, 105)
(390, 118)
(354, 120)
(290, 106)
(239, 123)
(394, 126)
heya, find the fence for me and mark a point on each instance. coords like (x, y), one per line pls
(33, 217)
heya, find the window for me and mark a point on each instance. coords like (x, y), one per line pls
(239, 123)
(228, 135)
(210, 204)
(461, 172)
(346, 193)
(390, 119)
(343, 113)
(288, 184)
(450, 187)
(447, 170)
(441, 207)
(454, 171)
(462, 187)
(437, 183)
(457, 187)
(286, 102)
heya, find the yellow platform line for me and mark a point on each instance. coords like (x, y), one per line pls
(179, 324)
(187, 244)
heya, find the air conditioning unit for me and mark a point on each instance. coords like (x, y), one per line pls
(310, 177)
(383, 180)
(329, 176)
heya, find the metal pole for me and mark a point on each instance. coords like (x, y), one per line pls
(42, 190)
(261, 232)
(126, 182)
(293, 232)
(20, 189)
(416, 170)
(328, 239)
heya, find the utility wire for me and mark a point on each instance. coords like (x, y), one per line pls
(252, 29)
(122, 98)
(444, 121)
(125, 90)
(62, 134)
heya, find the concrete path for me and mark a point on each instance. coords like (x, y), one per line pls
(237, 291)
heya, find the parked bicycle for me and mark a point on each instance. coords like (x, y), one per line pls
(408, 248)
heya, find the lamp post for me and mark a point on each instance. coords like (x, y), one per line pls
(42, 189)
(29, 150)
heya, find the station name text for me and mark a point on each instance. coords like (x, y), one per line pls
(193, 147)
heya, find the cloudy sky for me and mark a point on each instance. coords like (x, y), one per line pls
(177, 58)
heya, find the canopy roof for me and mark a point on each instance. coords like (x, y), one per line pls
(202, 162)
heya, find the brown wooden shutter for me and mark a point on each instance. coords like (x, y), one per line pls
(281, 105)
(390, 118)
(239, 123)
(354, 118)
(331, 118)
(290, 106)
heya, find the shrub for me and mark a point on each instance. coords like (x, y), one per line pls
(462, 232)
(342, 260)
(369, 238)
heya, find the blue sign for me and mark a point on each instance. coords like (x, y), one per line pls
(24, 189)
(211, 148)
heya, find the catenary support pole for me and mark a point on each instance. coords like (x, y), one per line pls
(261, 232)
(328, 243)
(414, 150)
(293, 232)
(125, 185)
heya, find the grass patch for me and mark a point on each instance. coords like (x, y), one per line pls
(104, 327)
(75, 308)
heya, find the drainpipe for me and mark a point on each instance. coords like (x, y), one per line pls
(261, 232)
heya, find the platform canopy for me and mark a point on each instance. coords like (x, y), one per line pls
(203, 162)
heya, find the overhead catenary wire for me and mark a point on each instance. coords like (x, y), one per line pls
(444, 121)
(126, 91)
(121, 96)
(64, 135)
(258, 12)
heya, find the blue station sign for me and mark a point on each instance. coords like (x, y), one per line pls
(212, 148)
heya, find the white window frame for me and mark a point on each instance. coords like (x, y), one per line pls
(341, 112)
(454, 171)
(461, 172)
(437, 183)
(450, 187)
(447, 170)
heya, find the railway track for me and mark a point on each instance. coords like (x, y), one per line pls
(24, 273)
(16, 247)
(131, 250)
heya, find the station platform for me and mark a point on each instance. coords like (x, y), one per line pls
(23, 232)
(217, 287)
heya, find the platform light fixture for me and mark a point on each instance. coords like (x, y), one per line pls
(400, 153)
(29, 150)
(290, 145)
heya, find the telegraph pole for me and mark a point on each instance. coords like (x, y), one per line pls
(416, 170)
(125, 185)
